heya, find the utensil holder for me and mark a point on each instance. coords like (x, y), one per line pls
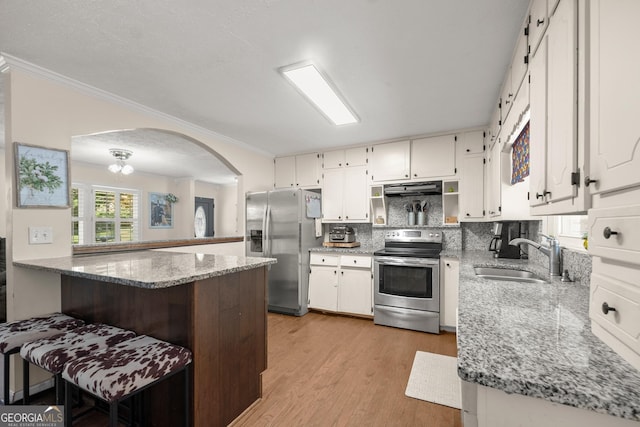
(421, 218)
(411, 218)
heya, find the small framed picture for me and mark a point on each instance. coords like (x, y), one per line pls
(160, 210)
(42, 177)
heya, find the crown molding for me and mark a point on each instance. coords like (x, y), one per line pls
(8, 62)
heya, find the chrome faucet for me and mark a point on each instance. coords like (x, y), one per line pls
(552, 251)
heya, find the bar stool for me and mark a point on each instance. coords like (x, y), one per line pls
(14, 334)
(122, 371)
(51, 354)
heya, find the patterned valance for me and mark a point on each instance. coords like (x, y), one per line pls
(520, 157)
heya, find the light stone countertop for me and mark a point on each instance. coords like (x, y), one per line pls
(536, 340)
(147, 269)
(359, 250)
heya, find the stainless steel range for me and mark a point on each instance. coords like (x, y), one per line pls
(407, 280)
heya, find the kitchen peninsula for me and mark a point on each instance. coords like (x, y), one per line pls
(215, 305)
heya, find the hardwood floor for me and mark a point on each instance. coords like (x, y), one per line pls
(326, 370)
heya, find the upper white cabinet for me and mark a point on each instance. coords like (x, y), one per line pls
(538, 21)
(553, 94)
(472, 187)
(391, 161)
(297, 171)
(344, 195)
(433, 157)
(471, 143)
(340, 158)
(615, 96)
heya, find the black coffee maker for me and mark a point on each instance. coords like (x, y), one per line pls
(503, 233)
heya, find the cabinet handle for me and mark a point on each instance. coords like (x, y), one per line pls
(506, 102)
(588, 180)
(540, 22)
(606, 309)
(608, 233)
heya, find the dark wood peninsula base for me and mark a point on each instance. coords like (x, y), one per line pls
(221, 319)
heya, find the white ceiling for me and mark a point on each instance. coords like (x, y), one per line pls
(408, 67)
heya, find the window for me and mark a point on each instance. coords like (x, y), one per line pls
(114, 217)
(569, 229)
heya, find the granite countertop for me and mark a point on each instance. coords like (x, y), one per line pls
(147, 269)
(359, 250)
(536, 340)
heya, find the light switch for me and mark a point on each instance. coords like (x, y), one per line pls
(40, 235)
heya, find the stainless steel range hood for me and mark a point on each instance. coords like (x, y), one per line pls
(413, 189)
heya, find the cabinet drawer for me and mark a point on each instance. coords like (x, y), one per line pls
(624, 321)
(323, 259)
(615, 233)
(355, 261)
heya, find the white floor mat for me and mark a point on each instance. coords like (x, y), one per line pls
(434, 378)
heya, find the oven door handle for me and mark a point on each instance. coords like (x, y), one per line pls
(405, 262)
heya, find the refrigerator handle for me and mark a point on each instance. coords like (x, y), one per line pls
(268, 232)
(264, 231)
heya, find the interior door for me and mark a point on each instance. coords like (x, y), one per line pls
(206, 205)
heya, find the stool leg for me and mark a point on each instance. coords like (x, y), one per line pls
(57, 379)
(7, 399)
(68, 403)
(187, 397)
(25, 382)
(113, 414)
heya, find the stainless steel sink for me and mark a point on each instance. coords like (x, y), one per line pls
(507, 274)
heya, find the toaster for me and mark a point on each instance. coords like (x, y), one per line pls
(342, 234)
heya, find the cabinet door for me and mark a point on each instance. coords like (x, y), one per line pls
(472, 187)
(390, 161)
(356, 156)
(285, 171)
(323, 288)
(519, 63)
(333, 159)
(308, 170)
(615, 95)
(332, 195)
(538, 126)
(354, 292)
(471, 142)
(493, 181)
(537, 24)
(507, 95)
(433, 157)
(355, 200)
(450, 268)
(562, 141)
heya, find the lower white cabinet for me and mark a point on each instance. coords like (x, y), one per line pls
(449, 280)
(341, 283)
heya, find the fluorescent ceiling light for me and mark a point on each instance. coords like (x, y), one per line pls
(315, 87)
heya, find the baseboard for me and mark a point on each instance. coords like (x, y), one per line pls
(33, 390)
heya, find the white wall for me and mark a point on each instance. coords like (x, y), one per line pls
(3, 198)
(47, 113)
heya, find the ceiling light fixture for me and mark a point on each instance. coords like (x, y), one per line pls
(317, 89)
(119, 166)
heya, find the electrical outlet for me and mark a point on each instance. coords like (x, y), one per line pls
(40, 235)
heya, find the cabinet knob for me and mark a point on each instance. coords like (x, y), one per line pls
(588, 180)
(608, 233)
(335, 272)
(468, 150)
(540, 22)
(322, 259)
(355, 261)
(342, 273)
(539, 196)
(347, 163)
(448, 265)
(339, 164)
(467, 214)
(606, 309)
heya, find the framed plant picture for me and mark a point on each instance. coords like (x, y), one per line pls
(161, 210)
(42, 177)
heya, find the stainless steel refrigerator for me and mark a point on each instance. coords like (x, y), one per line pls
(280, 224)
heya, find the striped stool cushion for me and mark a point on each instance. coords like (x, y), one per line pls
(52, 353)
(119, 371)
(14, 334)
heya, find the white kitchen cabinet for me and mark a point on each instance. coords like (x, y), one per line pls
(494, 127)
(450, 276)
(323, 282)
(341, 283)
(538, 21)
(471, 142)
(433, 157)
(297, 171)
(615, 96)
(391, 161)
(553, 94)
(356, 156)
(472, 187)
(333, 159)
(345, 195)
(520, 62)
(494, 186)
